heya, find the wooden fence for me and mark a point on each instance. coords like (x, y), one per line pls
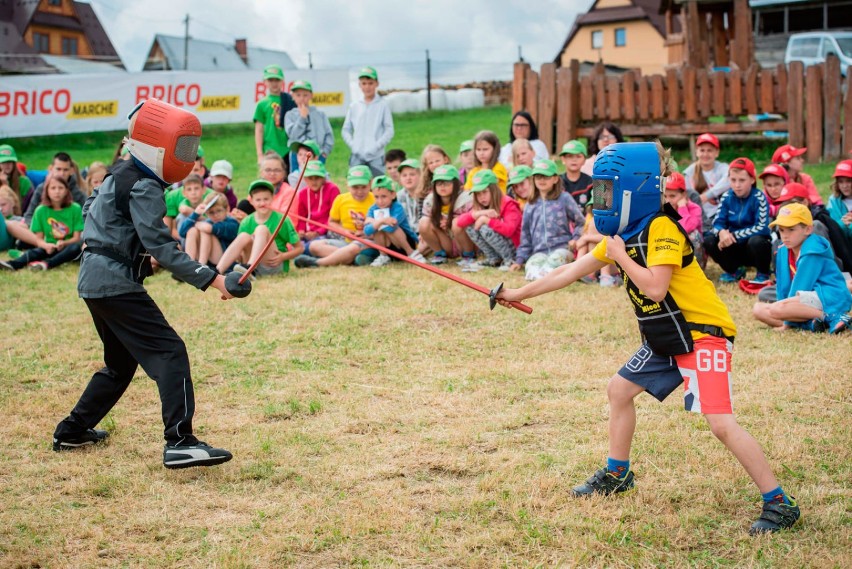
(814, 105)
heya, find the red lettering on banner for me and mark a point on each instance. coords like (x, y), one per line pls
(20, 103)
(41, 107)
(180, 95)
(193, 94)
(26, 103)
(141, 93)
(4, 104)
(259, 91)
(62, 108)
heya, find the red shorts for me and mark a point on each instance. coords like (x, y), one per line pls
(706, 375)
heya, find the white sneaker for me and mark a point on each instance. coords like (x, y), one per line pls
(607, 281)
(465, 262)
(472, 267)
(417, 256)
(380, 261)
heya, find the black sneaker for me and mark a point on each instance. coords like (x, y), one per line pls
(305, 262)
(603, 482)
(776, 516)
(198, 454)
(90, 437)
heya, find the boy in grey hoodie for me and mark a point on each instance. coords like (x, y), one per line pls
(368, 126)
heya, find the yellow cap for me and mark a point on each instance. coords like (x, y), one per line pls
(793, 214)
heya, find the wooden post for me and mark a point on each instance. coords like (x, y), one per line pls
(599, 83)
(720, 41)
(814, 118)
(751, 89)
(781, 88)
(735, 88)
(547, 105)
(767, 91)
(657, 98)
(587, 99)
(673, 95)
(694, 49)
(518, 87)
(531, 95)
(719, 93)
(704, 94)
(743, 54)
(644, 99)
(567, 97)
(796, 103)
(690, 100)
(831, 108)
(613, 96)
(629, 82)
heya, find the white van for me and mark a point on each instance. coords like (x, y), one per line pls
(813, 47)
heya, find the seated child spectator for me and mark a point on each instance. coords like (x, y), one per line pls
(10, 174)
(10, 203)
(387, 223)
(193, 193)
(740, 235)
(840, 202)
(393, 158)
(689, 212)
(486, 150)
(547, 235)
(446, 202)
(12, 225)
(254, 233)
(306, 122)
(523, 153)
(409, 178)
(577, 183)
(348, 214)
(58, 221)
(314, 202)
(520, 185)
(774, 179)
(812, 291)
(707, 176)
(465, 159)
(791, 158)
(273, 169)
(494, 223)
(63, 167)
(209, 230)
(304, 152)
(95, 174)
(221, 174)
(432, 157)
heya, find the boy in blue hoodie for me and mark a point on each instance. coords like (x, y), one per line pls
(740, 234)
(812, 292)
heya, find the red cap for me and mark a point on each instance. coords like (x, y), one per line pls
(793, 190)
(676, 181)
(784, 153)
(707, 138)
(743, 164)
(775, 170)
(842, 170)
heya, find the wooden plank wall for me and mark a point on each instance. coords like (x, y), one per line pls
(808, 103)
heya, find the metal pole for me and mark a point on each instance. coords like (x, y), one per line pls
(310, 61)
(428, 81)
(520, 54)
(186, 43)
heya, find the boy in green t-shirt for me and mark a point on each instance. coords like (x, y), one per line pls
(269, 132)
(254, 233)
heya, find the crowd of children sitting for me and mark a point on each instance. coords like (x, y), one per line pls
(513, 216)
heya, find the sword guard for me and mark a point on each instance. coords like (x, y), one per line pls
(492, 296)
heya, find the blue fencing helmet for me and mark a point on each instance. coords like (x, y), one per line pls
(627, 187)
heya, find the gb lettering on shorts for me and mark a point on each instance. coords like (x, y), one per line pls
(639, 359)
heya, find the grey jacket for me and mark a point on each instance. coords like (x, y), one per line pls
(313, 127)
(105, 227)
(368, 128)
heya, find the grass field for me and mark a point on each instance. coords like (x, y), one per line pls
(384, 417)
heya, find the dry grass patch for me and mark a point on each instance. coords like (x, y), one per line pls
(387, 418)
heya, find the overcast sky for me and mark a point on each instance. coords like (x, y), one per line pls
(390, 34)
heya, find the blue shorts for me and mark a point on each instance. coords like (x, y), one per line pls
(657, 374)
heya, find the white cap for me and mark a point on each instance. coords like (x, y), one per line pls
(222, 168)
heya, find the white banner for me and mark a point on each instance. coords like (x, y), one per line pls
(34, 105)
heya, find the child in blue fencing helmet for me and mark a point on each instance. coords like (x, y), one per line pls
(628, 187)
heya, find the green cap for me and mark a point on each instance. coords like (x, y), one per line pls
(482, 180)
(261, 185)
(7, 154)
(200, 152)
(359, 176)
(309, 144)
(466, 146)
(544, 168)
(369, 73)
(273, 72)
(304, 85)
(384, 182)
(315, 169)
(410, 163)
(574, 147)
(518, 174)
(446, 173)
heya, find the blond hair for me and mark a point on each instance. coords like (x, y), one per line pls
(7, 192)
(425, 184)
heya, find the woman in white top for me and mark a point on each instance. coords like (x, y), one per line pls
(523, 126)
(606, 134)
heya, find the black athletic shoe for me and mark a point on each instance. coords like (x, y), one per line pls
(604, 483)
(776, 516)
(90, 437)
(198, 454)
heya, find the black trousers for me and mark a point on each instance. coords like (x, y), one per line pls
(135, 332)
(756, 252)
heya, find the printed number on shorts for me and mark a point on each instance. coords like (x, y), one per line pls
(711, 360)
(639, 359)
